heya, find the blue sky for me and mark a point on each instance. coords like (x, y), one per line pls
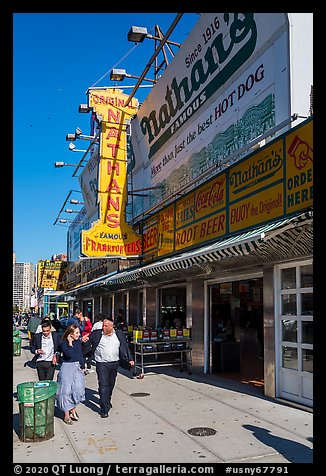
(56, 58)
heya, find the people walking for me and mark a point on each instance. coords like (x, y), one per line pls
(98, 324)
(71, 377)
(45, 319)
(77, 319)
(86, 345)
(45, 346)
(110, 349)
(32, 325)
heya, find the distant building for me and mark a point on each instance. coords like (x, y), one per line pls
(23, 284)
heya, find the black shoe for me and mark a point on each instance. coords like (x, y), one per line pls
(104, 414)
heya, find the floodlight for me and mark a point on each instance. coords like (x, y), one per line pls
(83, 108)
(137, 34)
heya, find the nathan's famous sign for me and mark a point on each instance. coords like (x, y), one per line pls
(50, 274)
(274, 182)
(228, 84)
(110, 235)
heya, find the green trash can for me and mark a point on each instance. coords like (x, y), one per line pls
(16, 341)
(36, 410)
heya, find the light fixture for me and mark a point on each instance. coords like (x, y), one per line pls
(137, 34)
(68, 210)
(84, 108)
(63, 164)
(121, 74)
(72, 147)
(76, 202)
(78, 134)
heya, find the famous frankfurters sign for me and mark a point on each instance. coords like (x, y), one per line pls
(110, 235)
(228, 84)
(272, 183)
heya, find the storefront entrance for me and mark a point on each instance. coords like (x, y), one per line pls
(236, 310)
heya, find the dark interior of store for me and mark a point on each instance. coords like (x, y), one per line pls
(237, 331)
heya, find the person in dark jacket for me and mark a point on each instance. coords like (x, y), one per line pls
(45, 346)
(110, 349)
(77, 319)
(71, 378)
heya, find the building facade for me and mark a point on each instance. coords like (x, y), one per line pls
(226, 224)
(23, 285)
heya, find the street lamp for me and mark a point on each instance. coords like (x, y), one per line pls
(137, 34)
(121, 74)
(78, 134)
(63, 164)
(72, 147)
(84, 108)
(76, 202)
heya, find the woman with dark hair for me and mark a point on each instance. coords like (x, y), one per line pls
(71, 378)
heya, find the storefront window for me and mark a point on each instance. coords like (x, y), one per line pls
(306, 273)
(307, 332)
(289, 305)
(289, 358)
(289, 331)
(288, 278)
(307, 360)
(307, 304)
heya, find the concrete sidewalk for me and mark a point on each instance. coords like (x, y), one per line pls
(250, 428)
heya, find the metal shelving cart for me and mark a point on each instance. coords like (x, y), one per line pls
(159, 348)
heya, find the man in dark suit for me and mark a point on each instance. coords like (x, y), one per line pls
(110, 349)
(45, 346)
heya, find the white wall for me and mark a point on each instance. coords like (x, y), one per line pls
(301, 56)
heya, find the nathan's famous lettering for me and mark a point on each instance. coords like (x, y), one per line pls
(242, 29)
(255, 172)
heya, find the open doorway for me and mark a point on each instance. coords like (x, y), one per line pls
(237, 330)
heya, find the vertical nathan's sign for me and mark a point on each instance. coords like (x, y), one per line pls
(111, 235)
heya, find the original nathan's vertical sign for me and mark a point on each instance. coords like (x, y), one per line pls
(111, 236)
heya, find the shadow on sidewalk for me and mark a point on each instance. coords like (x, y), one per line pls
(293, 451)
(213, 380)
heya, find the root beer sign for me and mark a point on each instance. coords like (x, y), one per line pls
(111, 236)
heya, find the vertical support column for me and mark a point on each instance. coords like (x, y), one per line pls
(269, 333)
(197, 333)
(150, 306)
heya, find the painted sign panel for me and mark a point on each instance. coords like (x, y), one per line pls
(228, 84)
(271, 183)
(111, 236)
(50, 274)
(88, 181)
(299, 169)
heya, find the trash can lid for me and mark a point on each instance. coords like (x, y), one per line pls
(32, 392)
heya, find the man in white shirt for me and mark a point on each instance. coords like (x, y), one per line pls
(110, 349)
(45, 345)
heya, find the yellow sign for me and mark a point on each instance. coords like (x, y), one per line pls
(111, 235)
(49, 274)
(166, 230)
(258, 208)
(271, 183)
(299, 169)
